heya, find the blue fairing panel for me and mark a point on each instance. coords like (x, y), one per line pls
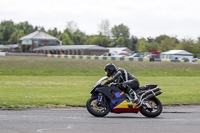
(116, 102)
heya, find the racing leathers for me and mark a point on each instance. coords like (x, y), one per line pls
(127, 82)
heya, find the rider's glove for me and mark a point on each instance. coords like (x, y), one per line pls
(108, 82)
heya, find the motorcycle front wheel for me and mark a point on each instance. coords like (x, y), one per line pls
(155, 110)
(97, 109)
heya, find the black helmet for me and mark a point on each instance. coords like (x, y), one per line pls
(110, 69)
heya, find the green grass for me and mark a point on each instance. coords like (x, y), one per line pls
(44, 91)
(50, 82)
(48, 66)
(177, 89)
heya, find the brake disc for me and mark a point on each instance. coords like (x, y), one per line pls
(152, 104)
(96, 107)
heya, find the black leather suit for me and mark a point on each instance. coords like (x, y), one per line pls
(124, 77)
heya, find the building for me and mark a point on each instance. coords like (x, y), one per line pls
(72, 50)
(177, 55)
(37, 39)
(41, 42)
(9, 48)
(120, 50)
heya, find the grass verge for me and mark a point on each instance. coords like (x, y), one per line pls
(48, 66)
(31, 82)
(63, 91)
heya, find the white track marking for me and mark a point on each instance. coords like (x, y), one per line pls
(70, 126)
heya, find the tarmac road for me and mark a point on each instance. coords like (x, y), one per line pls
(177, 119)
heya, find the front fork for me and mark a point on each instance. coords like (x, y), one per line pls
(99, 97)
(100, 100)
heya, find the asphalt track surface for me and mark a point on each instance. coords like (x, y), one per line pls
(176, 119)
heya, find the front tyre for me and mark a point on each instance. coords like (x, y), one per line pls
(155, 110)
(97, 109)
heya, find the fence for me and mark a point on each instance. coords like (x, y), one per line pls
(113, 58)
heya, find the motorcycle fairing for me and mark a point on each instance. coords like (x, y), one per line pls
(124, 106)
(111, 92)
(115, 103)
(117, 100)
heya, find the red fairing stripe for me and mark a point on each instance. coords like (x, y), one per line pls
(126, 110)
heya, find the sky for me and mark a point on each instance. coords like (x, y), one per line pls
(144, 18)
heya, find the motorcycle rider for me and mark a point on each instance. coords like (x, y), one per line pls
(127, 82)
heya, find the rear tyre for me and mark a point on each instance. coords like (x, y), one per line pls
(95, 109)
(155, 110)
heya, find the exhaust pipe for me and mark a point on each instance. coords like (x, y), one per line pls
(151, 91)
(153, 95)
(149, 94)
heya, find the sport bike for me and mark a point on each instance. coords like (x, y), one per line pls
(105, 99)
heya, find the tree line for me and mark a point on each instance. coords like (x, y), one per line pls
(116, 36)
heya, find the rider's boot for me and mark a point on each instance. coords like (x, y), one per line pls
(133, 95)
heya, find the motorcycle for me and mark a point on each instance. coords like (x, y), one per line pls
(105, 99)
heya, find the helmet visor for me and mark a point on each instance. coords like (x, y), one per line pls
(107, 73)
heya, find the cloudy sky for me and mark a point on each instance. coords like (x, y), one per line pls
(145, 18)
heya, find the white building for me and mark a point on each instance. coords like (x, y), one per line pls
(177, 54)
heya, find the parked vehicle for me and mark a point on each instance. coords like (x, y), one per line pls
(113, 55)
(135, 55)
(109, 54)
(105, 99)
(185, 59)
(151, 57)
(194, 60)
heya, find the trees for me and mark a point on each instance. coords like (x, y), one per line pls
(133, 43)
(54, 32)
(72, 26)
(197, 48)
(160, 38)
(79, 37)
(119, 32)
(153, 46)
(10, 32)
(98, 40)
(104, 28)
(145, 46)
(142, 45)
(120, 42)
(168, 44)
(118, 35)
(14, 38)
(26, 27)
(189, 45)
(7, 29)
(66, 39)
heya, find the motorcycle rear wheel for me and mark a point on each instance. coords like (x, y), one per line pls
(95, 109)
(155, 110)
